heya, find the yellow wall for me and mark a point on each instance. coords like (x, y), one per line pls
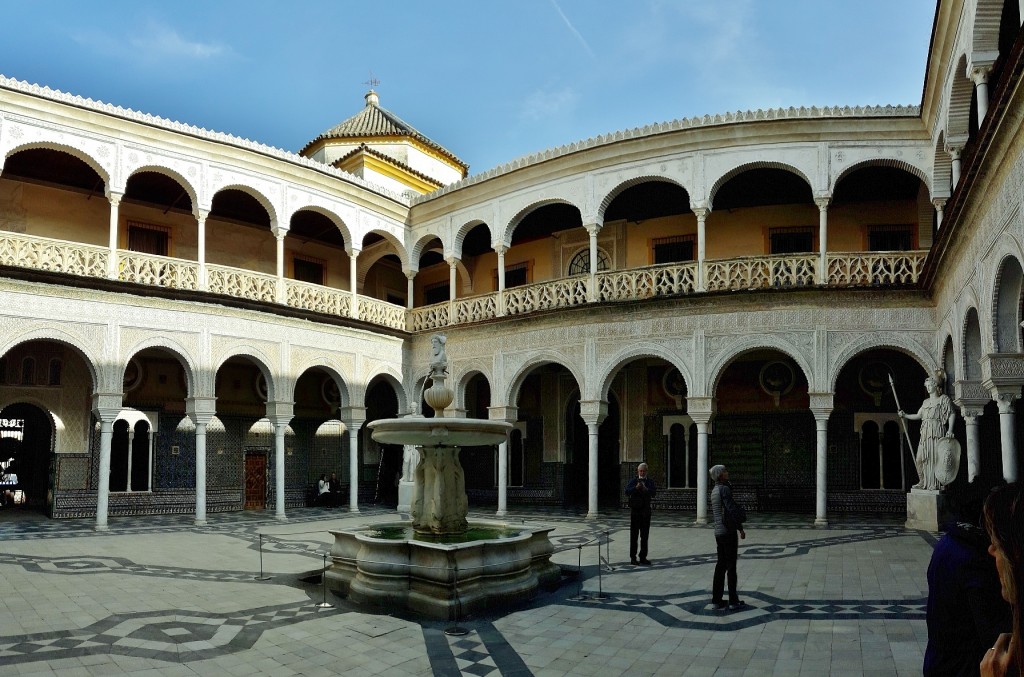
(52, 212)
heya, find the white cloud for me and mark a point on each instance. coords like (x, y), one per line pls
(544, 104)
(154, 42)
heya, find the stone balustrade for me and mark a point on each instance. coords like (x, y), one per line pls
(844, 269)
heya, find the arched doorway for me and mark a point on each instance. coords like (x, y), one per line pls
(26, 455)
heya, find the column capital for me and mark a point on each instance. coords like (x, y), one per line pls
(506, 414)
(107, 406)
(352, 417)
(452, 261)
(201, 409)
(1005, 401)
(278, 231)
(499, 248)
(954, 150)
(114, 198)
(701, 409)
(593, 229)
(822, 405)
(410, 274)
(939, 203)
(822, 201)
(352, 252)
(593, 412)
(971, 413)
(280, 413)
(979, 74)
(700, 212)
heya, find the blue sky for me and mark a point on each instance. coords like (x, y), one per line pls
(489, 80)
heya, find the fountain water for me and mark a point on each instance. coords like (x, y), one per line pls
(443, 561)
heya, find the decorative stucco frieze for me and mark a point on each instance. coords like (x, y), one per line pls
(20, 131)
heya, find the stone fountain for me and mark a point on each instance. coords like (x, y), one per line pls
(442, 565)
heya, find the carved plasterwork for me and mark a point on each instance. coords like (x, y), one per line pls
(268, 192)
(721, 350)
(845, 345)
(95, 150)
(188, 170)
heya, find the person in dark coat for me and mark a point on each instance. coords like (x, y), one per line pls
(640, 490)
(966, 611)
(729, 518)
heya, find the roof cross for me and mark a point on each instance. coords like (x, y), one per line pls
(372, 82)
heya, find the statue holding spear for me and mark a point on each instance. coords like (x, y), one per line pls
(938, 453)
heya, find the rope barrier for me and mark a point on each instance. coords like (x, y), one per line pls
(261, 577)
(323, 583)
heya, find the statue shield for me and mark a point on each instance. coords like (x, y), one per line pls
(947, 463)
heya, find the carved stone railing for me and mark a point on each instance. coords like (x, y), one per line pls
(430, 317)
(317, 298)
(159, 271)
(57, 256)
(865, 269)
(761, 272)
(382, 313)
(243, 284)
(476, 308)
(645, 283)
(564, 293)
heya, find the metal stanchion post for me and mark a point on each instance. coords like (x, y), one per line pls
(261, 577)
(600, 590)
(455, 630)
(607, 550)
(579, 582)
(323, 579)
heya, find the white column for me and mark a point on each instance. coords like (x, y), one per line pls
(201, 233)
(452, 281)
(200, 473)
(500, 251)
(131, 444)
(973, 443)
(279, 235)
(103, 493)
(1007, 431)
(502, 479)
(821, 485)
(279, 429)
(979, 75)
(822, 203)
(115, 200)
(954, 155)
(354, 310)
(592, 231)
(702, 216)
(353, 468)
(702, 472)
(592, 471)
(409, 289)
(939, 206)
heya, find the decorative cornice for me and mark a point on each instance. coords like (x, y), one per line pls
(198, 132)
(697, 122)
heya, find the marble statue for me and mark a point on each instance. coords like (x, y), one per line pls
(938, 453)
(438, 356)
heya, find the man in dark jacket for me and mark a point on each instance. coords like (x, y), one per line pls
(729, 518)
(966, 611)
(640, 490)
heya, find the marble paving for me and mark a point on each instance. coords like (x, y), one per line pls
(159, 596)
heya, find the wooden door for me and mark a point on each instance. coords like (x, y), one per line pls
(255, 481)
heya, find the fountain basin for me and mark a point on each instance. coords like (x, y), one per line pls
(432, 432)
(442, 580)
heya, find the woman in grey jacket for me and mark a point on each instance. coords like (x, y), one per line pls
(726, 530)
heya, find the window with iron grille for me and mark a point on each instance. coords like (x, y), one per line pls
(890, 238)
(674, 249)
(308, 270)
(799, 240)
(148, 239)
(436, 293)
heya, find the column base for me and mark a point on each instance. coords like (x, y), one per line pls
(200, 522)
(501, 513)
(353, 509)
(701, 521)
(591, 516)
(101, 527)
(820, 522)
(281, 518)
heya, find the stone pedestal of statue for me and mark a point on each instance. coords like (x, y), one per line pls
(405, 491)
(927, 509)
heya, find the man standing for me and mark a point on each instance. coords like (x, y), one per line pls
(729, 518)
(640, 490)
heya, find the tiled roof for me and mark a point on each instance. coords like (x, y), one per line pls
(374, 121)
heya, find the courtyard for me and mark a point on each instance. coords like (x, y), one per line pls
(159, 596)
